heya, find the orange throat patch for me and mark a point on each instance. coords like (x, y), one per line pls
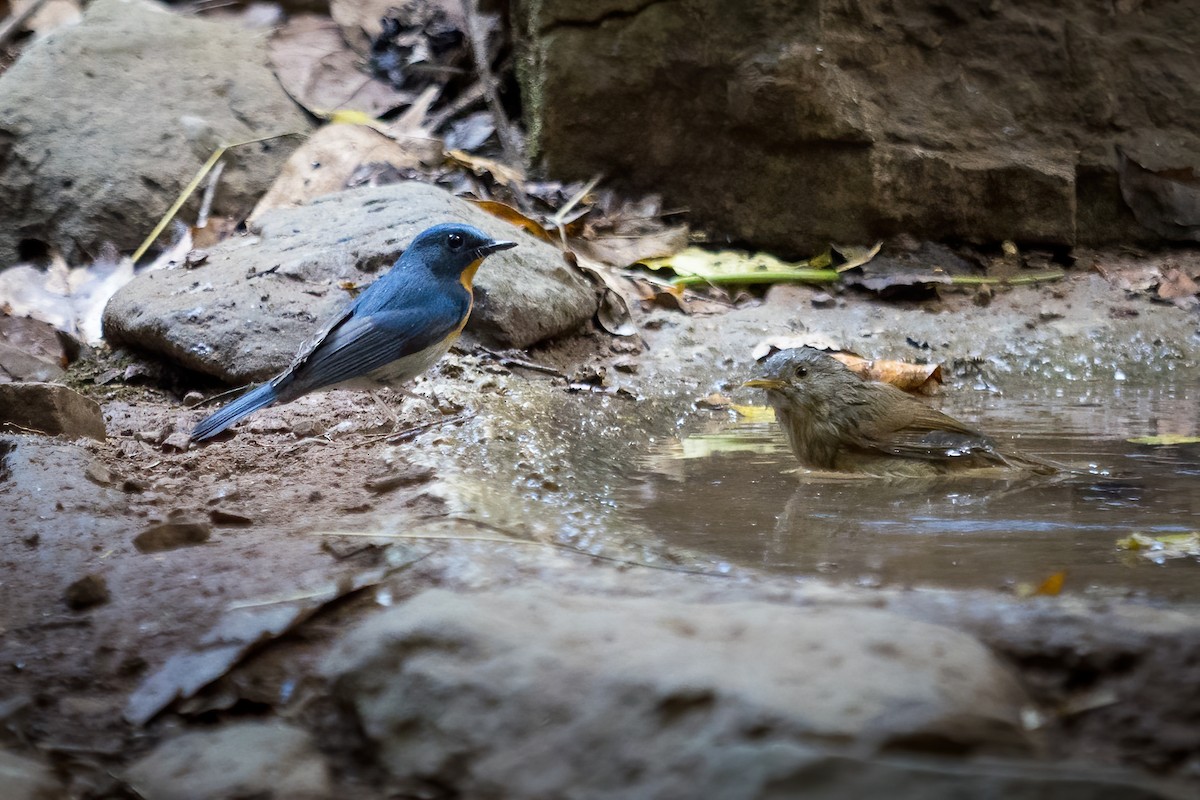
(467, 278)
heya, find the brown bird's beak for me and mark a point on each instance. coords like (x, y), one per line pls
(764, 383)
(492, 247)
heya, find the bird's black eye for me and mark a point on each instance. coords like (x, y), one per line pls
(455, 241)
(800, 371)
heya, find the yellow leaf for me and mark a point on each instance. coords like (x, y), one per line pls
(857, 256)
(754, 413)
(1158, 548)
(710, 263)
(1165, 439)
(1053, 585)
(348, 116)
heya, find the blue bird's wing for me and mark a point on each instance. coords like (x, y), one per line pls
(361, 344)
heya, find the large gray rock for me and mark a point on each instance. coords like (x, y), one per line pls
(793, 124)
(242, 314)
(248, 759)
(103, 123)
(526, 693)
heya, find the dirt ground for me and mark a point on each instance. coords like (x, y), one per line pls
(298, 505)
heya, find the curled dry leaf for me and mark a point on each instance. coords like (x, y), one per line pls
(625, 250)
(514, 217)
(1177, 285)
(1160, 547)
(501, 173)
(320, 71)
(916, 378)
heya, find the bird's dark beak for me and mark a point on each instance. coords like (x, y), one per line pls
(491, 247)
(764, 383)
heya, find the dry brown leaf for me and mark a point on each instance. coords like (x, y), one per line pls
(613, 314)
(918, 378)
(624, 250)
(479, 165)
(320, 71)
(327, 160)
(1176, 284)
(514, 217)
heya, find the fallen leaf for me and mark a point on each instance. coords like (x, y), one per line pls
(714, 402)
(856, 256)
(479, 165)
(320, 71)
(754, 414)
(327, 160)
(1165, 440)
(918, 378)
(709, 445)
(712, 265)
(1158, 548)
(1177, 285)
(625, 250)
(515, 217)
(1050, 587)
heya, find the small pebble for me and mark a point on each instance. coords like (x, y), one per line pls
(822, 300)
(88, 591)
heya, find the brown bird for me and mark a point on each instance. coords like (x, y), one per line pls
(834, 420)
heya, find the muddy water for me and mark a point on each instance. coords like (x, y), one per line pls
(731, 491)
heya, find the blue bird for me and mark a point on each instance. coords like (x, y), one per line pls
(395, 330)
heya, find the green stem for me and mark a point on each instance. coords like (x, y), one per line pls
(1017, 280)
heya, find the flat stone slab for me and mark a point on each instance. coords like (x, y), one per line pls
(49, 408)
(625, 697)
(241, 314)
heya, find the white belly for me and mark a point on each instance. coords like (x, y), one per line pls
(401, 371)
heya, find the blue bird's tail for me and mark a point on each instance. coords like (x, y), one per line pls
(236, 411)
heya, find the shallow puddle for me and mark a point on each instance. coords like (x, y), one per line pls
(732, 490)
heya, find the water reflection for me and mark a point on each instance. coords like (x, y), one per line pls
(738, 497)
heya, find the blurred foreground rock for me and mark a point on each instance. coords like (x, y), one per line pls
(528, 693)
(103, 123)
(50, 408)
(791, 125)
(241, 315)
(249, 759)
(25, 779)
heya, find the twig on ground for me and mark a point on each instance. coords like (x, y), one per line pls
(511, 361)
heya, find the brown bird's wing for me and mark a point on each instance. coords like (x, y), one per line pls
(908, 428)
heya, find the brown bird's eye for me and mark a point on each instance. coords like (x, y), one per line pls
(801, 371)
(455, 240)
